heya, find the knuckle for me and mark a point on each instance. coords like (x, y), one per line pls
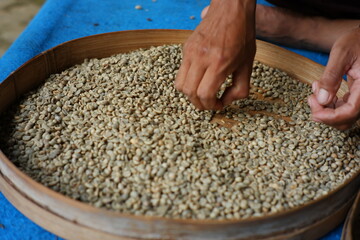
(241, 93)
(221, 58)
(223, 67)
(223, 53)
(189, 92)
(188, 47)
(331, 75)
(195, 49)
(202, 51)
(204, 95)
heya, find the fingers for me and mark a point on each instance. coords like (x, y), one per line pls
(200, 85)
(344, 115)
(326, 88)
(314, 105)
(322, 114)
(240, 87)
(181, 75)
(344, 59)
(208, 88)
(190, 87)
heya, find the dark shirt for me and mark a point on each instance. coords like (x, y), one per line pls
(327, 8)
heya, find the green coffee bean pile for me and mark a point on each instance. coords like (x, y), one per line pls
(115, 133)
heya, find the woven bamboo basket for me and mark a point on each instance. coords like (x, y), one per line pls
(71, 219)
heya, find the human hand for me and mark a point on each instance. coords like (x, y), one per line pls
(223, 44)
(344, 59)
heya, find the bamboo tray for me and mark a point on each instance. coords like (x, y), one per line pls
(351, 229)
(71, 219)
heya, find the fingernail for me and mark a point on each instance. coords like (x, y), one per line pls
(323, 96)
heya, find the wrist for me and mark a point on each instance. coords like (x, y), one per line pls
(242, 2)
(247, 6)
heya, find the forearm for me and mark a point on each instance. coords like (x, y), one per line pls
(296, 30)
(329, 30)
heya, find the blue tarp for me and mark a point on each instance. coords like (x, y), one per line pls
(62, 20)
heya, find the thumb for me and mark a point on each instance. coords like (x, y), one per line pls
(326, 88)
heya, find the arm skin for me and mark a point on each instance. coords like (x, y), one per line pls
(222, 44)
(344, 59)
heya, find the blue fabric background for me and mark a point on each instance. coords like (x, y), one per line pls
(62, 20)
